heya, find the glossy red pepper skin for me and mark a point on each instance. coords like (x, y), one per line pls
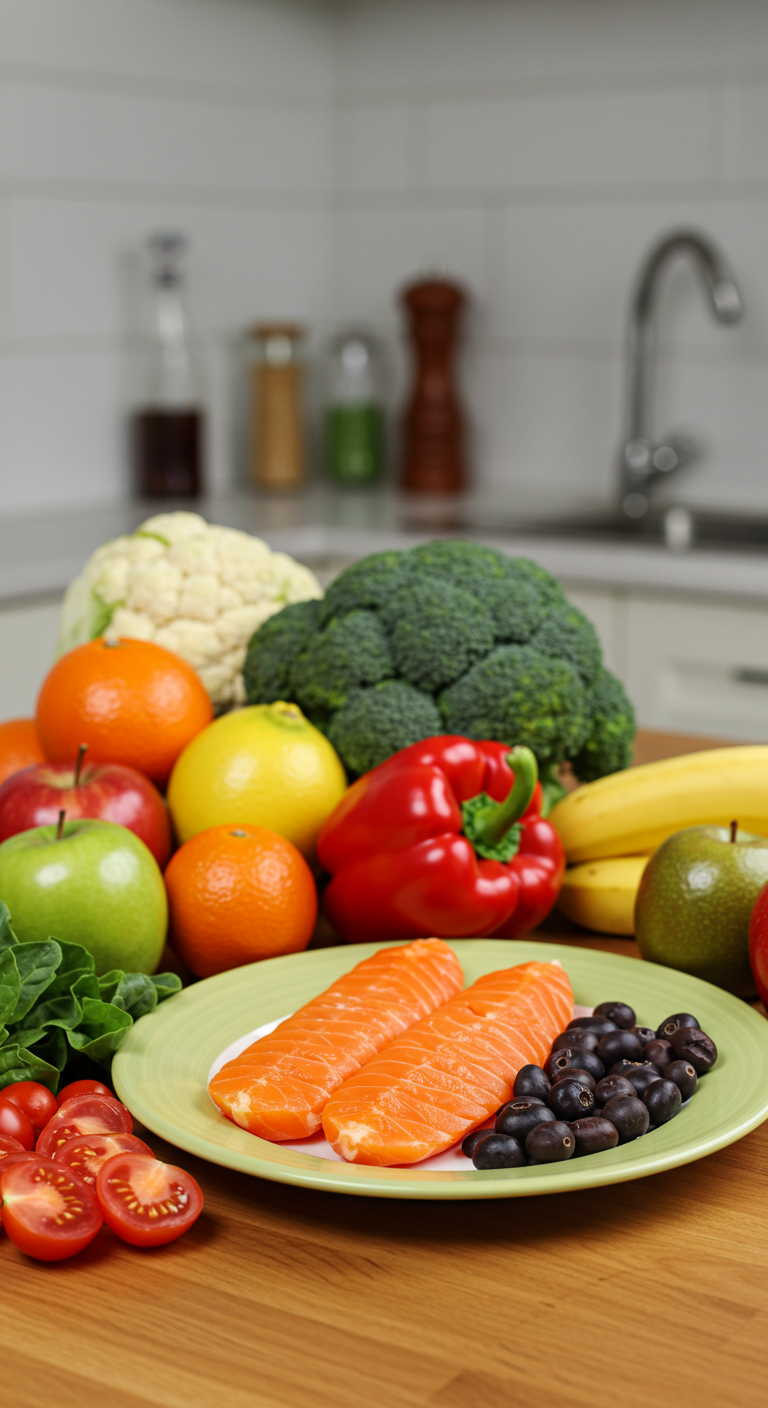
(401, 867)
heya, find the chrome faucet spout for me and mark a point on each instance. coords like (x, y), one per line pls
(642, 460)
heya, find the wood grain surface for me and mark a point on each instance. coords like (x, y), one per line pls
(648, 1292)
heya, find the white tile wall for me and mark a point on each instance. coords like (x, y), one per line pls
(322, 152)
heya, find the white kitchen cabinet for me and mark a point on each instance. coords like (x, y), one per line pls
(28, 632)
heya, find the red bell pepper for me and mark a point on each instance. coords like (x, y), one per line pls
(444, 839)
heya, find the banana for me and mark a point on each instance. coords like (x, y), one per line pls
(635, 810)
(600, 894)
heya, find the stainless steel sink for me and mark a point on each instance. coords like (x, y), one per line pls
(679, 529)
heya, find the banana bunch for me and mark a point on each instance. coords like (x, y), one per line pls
(610, 827)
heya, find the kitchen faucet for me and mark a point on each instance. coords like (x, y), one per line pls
(642, 460)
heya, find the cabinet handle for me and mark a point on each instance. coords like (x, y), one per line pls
(749, 674)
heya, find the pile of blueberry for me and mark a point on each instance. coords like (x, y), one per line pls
(605, 1082)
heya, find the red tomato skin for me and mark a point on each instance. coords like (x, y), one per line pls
(135, 1227)
(13, 1121)
(36, 1100)
(84, 1114)
(9, 1145)
(22, 1223)
(74, 1153)
(82, 1087)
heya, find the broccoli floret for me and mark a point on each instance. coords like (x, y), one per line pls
(520, 696)
(437, 632)
(365, 585)
(349, 653)
(273, 649)
(377, 722)
(513, 596)
(608, 746)
(567, 634)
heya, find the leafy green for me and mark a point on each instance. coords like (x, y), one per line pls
(55, 1012)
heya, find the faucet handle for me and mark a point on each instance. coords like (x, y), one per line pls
(674, 452)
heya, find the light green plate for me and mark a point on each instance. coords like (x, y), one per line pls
(161, 1069)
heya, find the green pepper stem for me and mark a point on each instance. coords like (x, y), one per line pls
(493, 822)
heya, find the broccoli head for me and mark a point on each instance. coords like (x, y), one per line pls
(349, 653)
(273, 649)
(451, 637)
(437, 631)
(608, 745)
(520, 696)
(375, 723)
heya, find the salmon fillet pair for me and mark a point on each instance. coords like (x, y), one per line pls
(394, 1060)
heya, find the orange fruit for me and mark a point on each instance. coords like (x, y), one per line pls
(130, 701)
(237, 894)
(19, 747)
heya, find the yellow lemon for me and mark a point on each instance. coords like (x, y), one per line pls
(264, 766)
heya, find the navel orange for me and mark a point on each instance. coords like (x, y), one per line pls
(20, 746)
(130, 701)
(238, 894)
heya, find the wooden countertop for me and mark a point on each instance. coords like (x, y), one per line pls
(281, 1297)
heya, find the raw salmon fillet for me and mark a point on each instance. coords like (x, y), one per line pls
(278, 1087)
(450, 1071)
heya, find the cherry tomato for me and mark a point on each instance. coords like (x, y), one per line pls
(13, 1121)
(34, 1099)
(47, 1210)
(84, 1114)
(9, 1145)
(83, 1087)
(145, 1202)
(85, 1154)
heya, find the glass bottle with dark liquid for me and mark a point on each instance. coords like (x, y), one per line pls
(167, 432)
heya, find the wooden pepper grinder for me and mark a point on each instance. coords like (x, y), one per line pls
(434, 453)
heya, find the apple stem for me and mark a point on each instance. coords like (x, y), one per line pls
(734, 829)
(60, 827)
(81, 752)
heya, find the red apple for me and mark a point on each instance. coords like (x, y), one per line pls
(758, 944)
(105, 791)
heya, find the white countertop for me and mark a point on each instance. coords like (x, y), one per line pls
(40, 553)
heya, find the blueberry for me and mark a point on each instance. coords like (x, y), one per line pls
(617, 1012)
(610, 1086)
(550, 1143)
(468, 1146)
(594, 1134)
(684, 1076)
(575, 1073)
(601, 1025)
(577, 1036)
(498, 1151)
(517, 1118)
(692, 1045)
(672, 1024)
(644, 1034)
(640, 1075)
(531, 1080)
(574, 1056)
(618, 1046)
(658, 1051)
(662, 1100)
(570, 1100)
(629, 1115)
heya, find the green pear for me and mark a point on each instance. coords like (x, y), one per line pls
(694, 902)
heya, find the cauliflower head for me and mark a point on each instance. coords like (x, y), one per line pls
(196, 588)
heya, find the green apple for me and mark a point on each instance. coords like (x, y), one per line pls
(95, 884)
(695, 900)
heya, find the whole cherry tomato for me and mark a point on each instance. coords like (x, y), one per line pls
(34, 1099)
(83, 1087)
(13, 1121)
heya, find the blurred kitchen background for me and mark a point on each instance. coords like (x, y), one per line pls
(318, 157)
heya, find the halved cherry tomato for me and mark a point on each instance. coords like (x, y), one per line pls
(9, 1145)
(84, 1114)
(86, 1153)
(83, 1087)
(37, 1102)
(145, 1202)
(13, 1121)
(47, 1210)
